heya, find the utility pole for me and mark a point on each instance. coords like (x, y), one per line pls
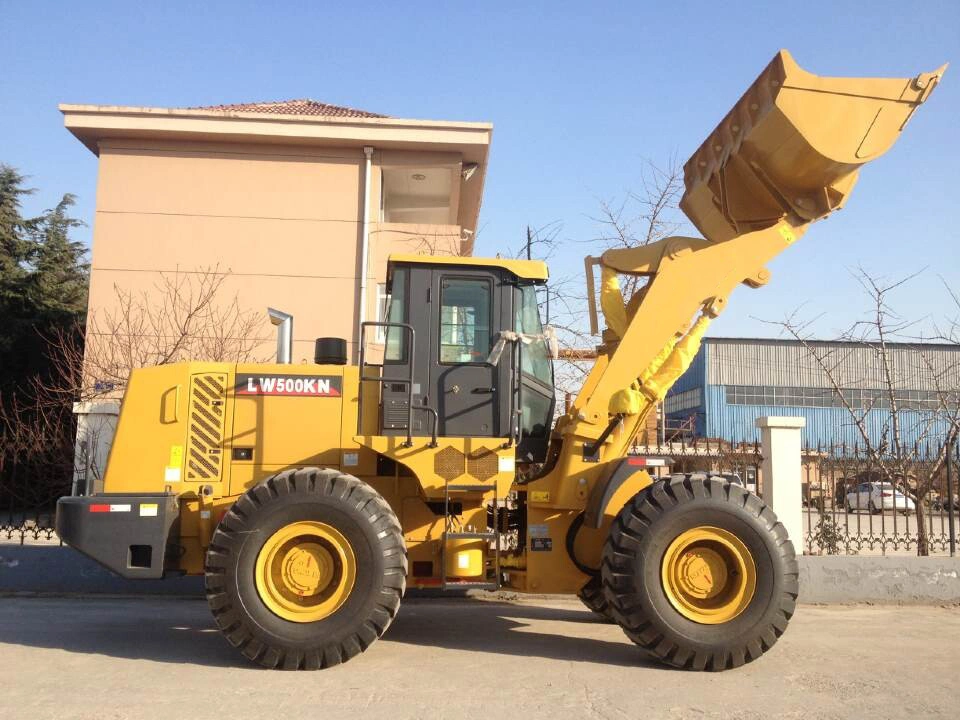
(529, 241)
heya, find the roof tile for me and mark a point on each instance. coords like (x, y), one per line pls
(304, 106)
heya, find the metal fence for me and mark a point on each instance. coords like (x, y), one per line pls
(857, 503)
(838, 519)
(28, 498)
(853, 503)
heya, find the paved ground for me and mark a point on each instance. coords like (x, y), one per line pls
(160, 658)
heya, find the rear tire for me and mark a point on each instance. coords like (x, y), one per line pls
(593, 597)
(255, 616)
(640, 549)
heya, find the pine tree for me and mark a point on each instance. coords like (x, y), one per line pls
(57, 283)
(14, 252)
(43, 281)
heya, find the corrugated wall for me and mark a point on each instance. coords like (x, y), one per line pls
(824, 425)
(695, 376)
(789, 364)
(723, 361)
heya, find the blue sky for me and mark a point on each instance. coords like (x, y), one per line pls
(581, 95)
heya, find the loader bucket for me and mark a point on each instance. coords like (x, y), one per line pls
(792, 147)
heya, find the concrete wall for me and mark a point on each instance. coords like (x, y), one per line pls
(889, 580)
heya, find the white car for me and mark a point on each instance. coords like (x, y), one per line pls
(875, 496)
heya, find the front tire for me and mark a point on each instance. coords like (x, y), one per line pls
(699, 573)
(306, 570)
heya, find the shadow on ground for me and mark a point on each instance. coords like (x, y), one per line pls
(182, 631)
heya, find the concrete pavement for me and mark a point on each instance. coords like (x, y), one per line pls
(151, 658)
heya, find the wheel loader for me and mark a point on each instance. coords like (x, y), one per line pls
(310, 497)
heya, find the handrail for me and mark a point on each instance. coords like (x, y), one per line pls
(408, 381)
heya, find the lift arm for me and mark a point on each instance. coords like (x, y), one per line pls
(786, 155)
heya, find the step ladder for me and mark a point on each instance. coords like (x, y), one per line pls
(451, 533)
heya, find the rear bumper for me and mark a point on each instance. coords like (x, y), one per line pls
(127, 534)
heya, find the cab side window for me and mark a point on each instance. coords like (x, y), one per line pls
(534, 356)
(396, 338)
(464, 320)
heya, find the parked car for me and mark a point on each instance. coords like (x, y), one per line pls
(876, 496)
(737, 480)
(940, 502)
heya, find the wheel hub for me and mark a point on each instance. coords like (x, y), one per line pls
(305, 571)
(708, 575)
(307, 568)
(702, 573)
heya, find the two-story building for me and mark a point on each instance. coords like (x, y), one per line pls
(300, 202)
(293, 205)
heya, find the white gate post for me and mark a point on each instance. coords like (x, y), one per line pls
(96, 425)
(782, 476)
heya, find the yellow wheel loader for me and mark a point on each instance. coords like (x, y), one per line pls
(311, 496)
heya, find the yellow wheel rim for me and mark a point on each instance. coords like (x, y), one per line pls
(709, 575)
(305, 571)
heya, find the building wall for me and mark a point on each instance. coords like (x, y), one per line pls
(283, 221)
(788, 364)
(825, 426)
(724, 362)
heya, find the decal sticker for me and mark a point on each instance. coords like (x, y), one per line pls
(538, 544)
(540, 496)
(148, 509)
(292, 385)
(351, 458)
(204, 514)
(171, 475)
(538, 531)
(505, 464)
(786, 233)
(176, 456)
(109, 508)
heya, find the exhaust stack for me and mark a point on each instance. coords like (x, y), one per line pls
(284, 323)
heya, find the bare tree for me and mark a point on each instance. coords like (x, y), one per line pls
(909, 449)
(428, 240)
(643, 216)
(640, 217)
(186, 316)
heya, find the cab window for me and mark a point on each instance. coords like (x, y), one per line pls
(534, 356)
(395, 345)
(464, 320)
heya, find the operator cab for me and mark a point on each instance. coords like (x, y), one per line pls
(444, 317)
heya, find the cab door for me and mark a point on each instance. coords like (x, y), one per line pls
(467, 317)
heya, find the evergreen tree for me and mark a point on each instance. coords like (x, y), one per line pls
(57, 283)
(43, 281)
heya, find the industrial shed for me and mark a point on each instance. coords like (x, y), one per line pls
(734, 381)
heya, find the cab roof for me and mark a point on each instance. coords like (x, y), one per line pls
(524, 269)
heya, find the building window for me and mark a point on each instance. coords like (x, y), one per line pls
(857, 398)
(383, 301)
(683, 400)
